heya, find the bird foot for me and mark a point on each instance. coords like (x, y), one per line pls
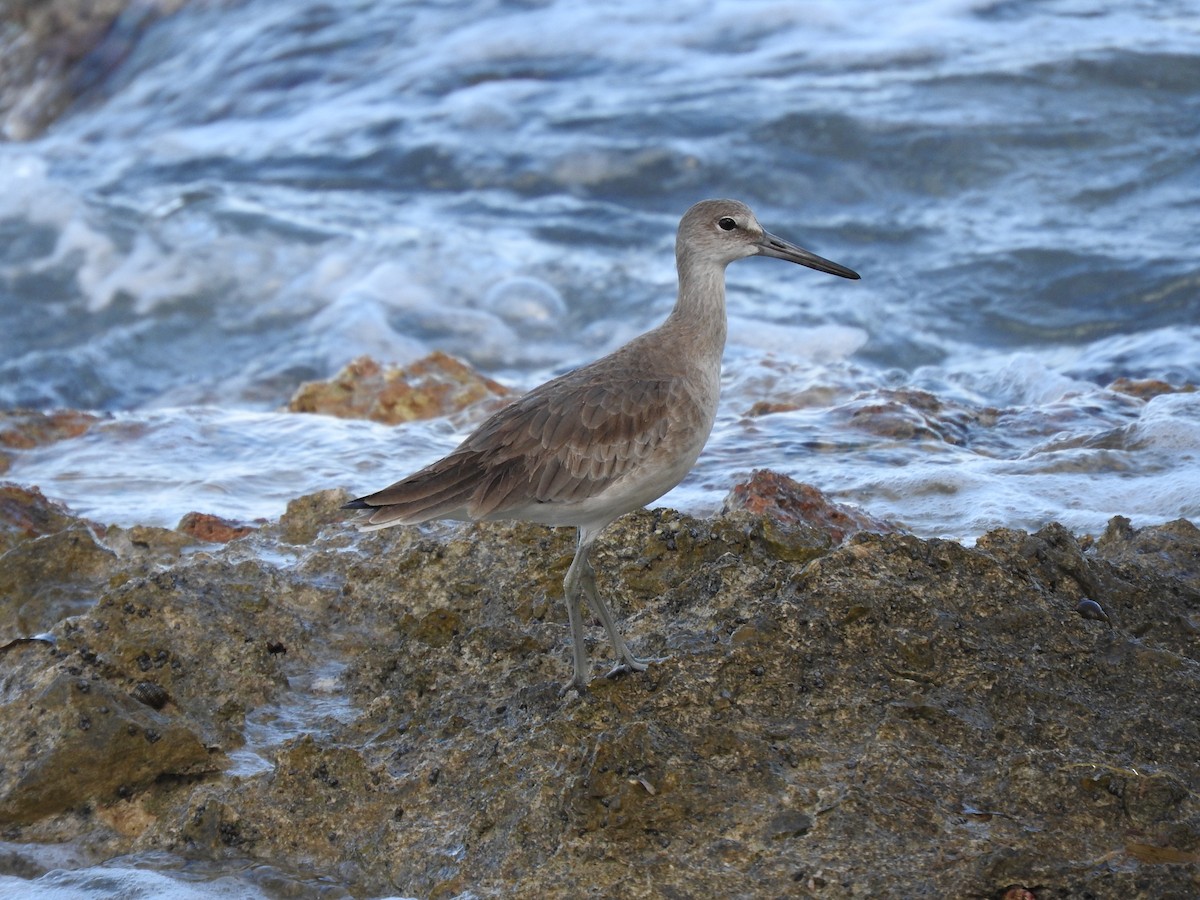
(579, 682)
(576, 684)
(634, 664)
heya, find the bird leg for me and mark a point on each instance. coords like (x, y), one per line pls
(571, 592)
(581, 578)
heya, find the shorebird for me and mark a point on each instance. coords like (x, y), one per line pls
(609, 437)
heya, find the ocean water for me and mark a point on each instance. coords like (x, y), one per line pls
(263, 190)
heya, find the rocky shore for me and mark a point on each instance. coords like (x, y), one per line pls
(844, 712)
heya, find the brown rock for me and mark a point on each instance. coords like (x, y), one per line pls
(305, 516)
(22, 429)
(1171, 550)
(52, 564)
(1147, 388)
(151, 544)
(55, 50)
(212, 529)
(435, 385)
(789, 401)
(54, 576)
(800, 513)
(25, 513)
(909, 415)
(90, 742)
(894, 716)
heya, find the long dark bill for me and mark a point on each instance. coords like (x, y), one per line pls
(770, 245)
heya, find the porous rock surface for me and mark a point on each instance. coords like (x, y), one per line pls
(881, 718)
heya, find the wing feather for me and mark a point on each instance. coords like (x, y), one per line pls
(570, 439)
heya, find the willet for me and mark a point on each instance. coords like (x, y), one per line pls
(609, 437)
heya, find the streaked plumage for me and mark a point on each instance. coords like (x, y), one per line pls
(606, 438)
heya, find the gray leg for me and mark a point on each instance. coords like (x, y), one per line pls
(571, 592)
(626, 661)
(581, 577)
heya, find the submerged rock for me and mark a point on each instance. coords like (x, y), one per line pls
(1147, 388)
(23, 429)
(883, 716)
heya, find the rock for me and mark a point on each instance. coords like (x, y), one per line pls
(305, 516)
(435, 385)
(55, 51)
(51, 577)
(52, 564)
(797, 520)
(896, 414)
(149, 544)
(73, 739)
(910, 415)
(1171, 550)
(212, 529)
(22, 429)
(885, 711)
(26, 514)
(1148, 388)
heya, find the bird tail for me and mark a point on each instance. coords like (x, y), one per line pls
(440, 491)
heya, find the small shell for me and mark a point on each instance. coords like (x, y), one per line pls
(646, 786)
(1090, 609)
(153, 695)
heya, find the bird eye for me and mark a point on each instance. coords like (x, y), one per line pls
(726, 223)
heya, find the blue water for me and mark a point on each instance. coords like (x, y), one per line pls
(262, 191)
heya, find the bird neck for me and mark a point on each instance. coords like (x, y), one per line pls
(699, 313)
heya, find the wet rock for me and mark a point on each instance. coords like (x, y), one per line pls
(48, 578)
(435, 385)
(1054, 557)
(897, 414)
(187, 630)
(22, 429)
(888, 711)
(1171, 550)
(789, 824)
(71, 739)
(797, 520)
(305, 516)
(55, 52)
(911, 415)
(52, 563)
(1148, 388)
(212, 529)
(149, 544)
(26, 514)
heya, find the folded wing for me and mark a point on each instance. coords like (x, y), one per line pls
(568, 440)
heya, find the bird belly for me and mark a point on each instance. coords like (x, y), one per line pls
(638, 488)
